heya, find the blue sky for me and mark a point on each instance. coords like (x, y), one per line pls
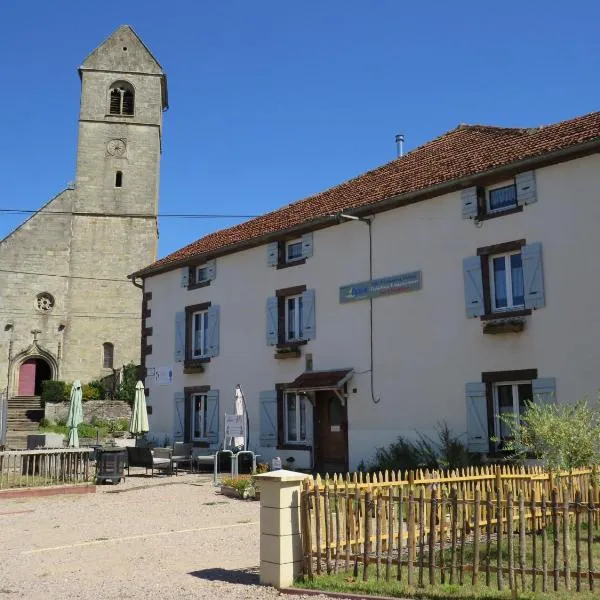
(272, 101)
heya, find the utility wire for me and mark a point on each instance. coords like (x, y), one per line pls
(65, 276)
(22, 211)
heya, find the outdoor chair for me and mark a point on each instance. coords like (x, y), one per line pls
(182, 454)
(159, 458)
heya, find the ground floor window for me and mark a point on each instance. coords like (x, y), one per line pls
(295, 418)
(509, 401)
(198, 417)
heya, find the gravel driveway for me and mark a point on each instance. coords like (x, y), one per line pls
(166, 537)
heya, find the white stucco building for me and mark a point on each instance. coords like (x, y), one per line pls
(476, 278)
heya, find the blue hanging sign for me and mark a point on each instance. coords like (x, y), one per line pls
(396, 284)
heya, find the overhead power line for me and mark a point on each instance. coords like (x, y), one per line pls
(22, 211)
(124, 280)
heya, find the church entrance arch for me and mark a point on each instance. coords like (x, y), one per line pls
(32, 373)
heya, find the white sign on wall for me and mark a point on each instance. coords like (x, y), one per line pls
(163, 375)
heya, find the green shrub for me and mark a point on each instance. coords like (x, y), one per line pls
(447, 452)
(55, 391)
(90, 392)
(45, 422)
(126, 391)
(86, 430)
(563, 436)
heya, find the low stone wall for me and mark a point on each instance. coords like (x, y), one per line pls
(103, 410)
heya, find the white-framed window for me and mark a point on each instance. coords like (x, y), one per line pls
(293, 250)
(201, 274)
(501, 197)
(199, 338)
(509, 399)
(507, 289)
(293, 318)
(199, 418)
(295, 418)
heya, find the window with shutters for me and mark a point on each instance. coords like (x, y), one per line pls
(291, 320)
(504, 281)
(290, 252)
(198, 276)
(198, 329)
(295, 418)
(483, 202)
(121, 99)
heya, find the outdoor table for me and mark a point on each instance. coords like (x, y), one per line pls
(111, 464)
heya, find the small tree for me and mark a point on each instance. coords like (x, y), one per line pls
(564, 436)
(126, 391)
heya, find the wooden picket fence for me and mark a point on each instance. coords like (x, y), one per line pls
(25, 468)
(516, 528)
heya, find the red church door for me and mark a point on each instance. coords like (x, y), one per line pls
(27, 378)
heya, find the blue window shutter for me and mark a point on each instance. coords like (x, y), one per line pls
(185, 276)
(478, 439)
(309, 325)
(533, 275)
(212, 331)
(544, 390)
(272, 321)
(307, 245)
(212, 416)
(211, 269)
(179, 336)
(272, 254)
(268, 418)
(526, 188)
(474, 304)
(178, 417)
(469, 203)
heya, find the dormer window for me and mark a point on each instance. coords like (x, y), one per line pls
(121, 99)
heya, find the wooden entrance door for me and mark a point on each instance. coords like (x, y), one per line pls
(27, 378)
(331, 434)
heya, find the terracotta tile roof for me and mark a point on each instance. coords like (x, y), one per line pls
(311, 380)
(467, 150)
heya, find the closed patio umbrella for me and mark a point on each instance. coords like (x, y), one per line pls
(75, 414)
(240, 409)
(139, 415)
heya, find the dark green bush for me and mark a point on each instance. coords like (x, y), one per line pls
(447, 452)
(54, 391)
(126, 391)
(91, 392)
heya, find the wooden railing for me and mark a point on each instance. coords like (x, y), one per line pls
(435, 528)
(29, 468)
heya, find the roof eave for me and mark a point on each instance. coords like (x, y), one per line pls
(389, 203)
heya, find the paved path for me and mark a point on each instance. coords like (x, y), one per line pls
(169, 537)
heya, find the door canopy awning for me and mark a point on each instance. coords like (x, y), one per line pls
(317, 381)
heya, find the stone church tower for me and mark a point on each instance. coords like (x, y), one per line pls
(67, 309)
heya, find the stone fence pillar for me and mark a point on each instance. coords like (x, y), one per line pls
(280, 540)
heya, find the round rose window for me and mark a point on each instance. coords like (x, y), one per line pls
(44, 302)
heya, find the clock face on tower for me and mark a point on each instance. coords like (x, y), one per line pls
(116, 147)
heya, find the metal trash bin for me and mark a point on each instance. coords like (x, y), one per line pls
(110, 464)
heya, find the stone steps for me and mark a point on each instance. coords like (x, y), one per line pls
(23, 417)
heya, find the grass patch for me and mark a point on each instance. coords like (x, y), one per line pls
(346, 583)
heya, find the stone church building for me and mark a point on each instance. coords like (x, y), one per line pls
(67, 309)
